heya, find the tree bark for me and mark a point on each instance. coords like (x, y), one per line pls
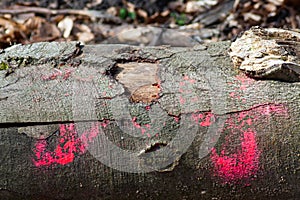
(124, 122)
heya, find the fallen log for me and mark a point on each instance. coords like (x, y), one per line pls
(124, 122)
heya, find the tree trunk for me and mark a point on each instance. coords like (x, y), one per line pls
(123, 122)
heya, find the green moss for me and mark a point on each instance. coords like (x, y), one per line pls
(4, 66)
(132, 15)
(123, 13)
(180, 19)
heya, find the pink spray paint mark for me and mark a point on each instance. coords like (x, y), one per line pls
(148, 107)
(176, 119)
(182, 100)
(242, 82)
(65, 74)
(143, 127)
(232, 94)
(192, 81)
(137, 125)
(204, 119)
(68, 147)
(241, 162)
(186, 78)
(207, 121)
(240, 165)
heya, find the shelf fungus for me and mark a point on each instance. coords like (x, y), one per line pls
(268, 54)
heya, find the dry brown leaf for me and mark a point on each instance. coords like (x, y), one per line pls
(276, 2)
(41, 30)
(66, 26)
(112, 11)
(251, 16)
(177, 6)
(199, 6)
(270, 7)
(159, 17)
(94, 3)
(257, 5)
(85, 34)
(11, 32)
(130, 7)
(142, 13)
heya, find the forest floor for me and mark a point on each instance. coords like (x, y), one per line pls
(140, 22)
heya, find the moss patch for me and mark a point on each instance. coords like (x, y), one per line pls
(4, 66)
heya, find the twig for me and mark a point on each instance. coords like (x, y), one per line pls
(93, 14)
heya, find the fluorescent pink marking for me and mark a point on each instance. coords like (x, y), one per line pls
(192, 81)
(69, 146)
(92, 133)
(182, 100)
(243, 87)
(147, 126)
(135, 123)
(249, 121)
(58, 73)
(207, 121)
(40, 147)
(244, 81)
(233, 164)
(240, 165)
(176, 118)
(148, 108)
(186, 78)
(143, 131)
(67, 74)
(104, 123)
(142, 127)
(242, 115)
(182, 83)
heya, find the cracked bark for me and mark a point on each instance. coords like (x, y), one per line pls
(241, 134)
